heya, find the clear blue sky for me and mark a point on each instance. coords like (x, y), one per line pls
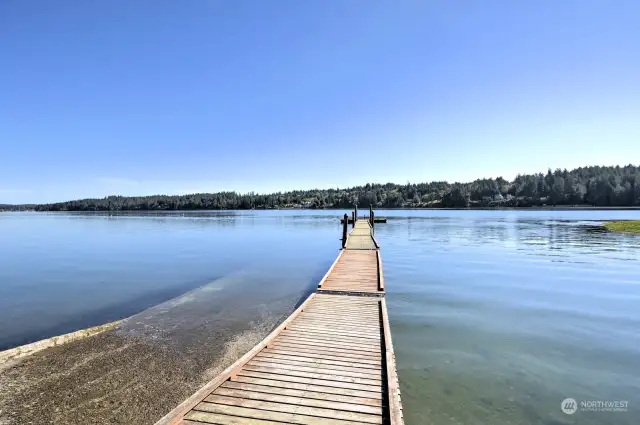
(155, 96)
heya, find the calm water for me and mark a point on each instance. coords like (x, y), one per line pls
(496, 316)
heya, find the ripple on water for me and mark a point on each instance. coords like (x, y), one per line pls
(497, 320)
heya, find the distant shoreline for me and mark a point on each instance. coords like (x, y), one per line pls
(591, 187)
(364, 209)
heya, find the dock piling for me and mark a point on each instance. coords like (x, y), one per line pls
(373, 222)
(344, 230)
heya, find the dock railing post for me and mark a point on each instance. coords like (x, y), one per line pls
(373, 222)
(344, 230)
(355, 214)
(371, 215)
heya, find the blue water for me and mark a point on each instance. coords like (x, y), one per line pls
(497, 316)
(61, 272)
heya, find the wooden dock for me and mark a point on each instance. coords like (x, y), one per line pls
(330, 362)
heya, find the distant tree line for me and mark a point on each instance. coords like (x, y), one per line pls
(594, 186)
(10, 207)
(588, 186)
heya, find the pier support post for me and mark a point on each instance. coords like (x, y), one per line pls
(373, 221)
(371, 215)
(355, 214)
(344, 230)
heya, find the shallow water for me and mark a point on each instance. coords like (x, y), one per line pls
(60, 272)
(496, 316)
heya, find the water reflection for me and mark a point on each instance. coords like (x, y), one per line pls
(497, 317)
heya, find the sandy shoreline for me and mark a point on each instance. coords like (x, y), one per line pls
(110, 377)
(8, 357)
(136, 370)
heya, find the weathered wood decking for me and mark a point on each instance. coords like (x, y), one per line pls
(330, 362)
(361, 237)
(355, 270)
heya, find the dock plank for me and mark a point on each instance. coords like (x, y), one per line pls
(326, 343)
(332, 339)
(317, 369)
(324, 320)
(259, 413)
(354, 338)
(331, 331)
(364, 329)
(292, 405)
(319, 359)
(310, 380)
(332, 376)
(314, 362)
(344, 315)
(358, 404)
(315, 355)
(310, 387)
(362, 311)
(299, 400)
(195, 417)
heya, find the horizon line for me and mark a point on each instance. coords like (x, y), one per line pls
(337, 188)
